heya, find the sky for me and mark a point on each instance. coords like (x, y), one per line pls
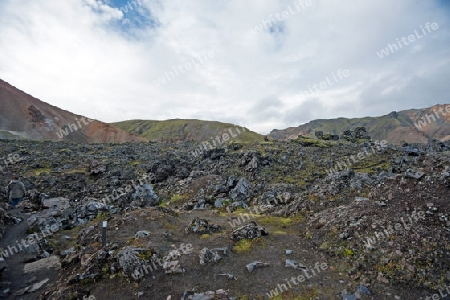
(262, 64)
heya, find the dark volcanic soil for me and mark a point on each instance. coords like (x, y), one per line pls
(323, 218)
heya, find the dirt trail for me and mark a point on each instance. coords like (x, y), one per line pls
(14, 277)
(270, 249)
(167, 231)
(326, 284)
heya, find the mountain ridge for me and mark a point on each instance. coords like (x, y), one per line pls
(412, 126)
(24, 116)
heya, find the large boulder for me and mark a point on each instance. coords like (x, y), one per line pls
(252, 165)
(208, 256)
(249, 231)
(145, 195)
(361, 133)
(242, 191)
(201, 226)
(130, 263)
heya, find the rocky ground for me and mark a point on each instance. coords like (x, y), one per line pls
(247, 221)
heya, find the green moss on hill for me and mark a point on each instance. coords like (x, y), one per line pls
(184, 130)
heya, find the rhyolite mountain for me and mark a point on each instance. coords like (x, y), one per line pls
(24, 117)
(412, 126)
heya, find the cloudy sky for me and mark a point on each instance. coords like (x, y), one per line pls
(262, 64)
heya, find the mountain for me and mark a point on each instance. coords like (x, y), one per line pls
(23, 116)
(412, 126)
(186, 130)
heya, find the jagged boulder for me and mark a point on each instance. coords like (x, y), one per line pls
(130, 263)
(96, 167)
(361, 133)
(249, 231)
(145, 196)
(242, 191)
(201, 226)
(348, 135)
(208, 256)
(252, 165)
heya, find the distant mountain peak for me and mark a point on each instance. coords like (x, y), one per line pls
(393, 114)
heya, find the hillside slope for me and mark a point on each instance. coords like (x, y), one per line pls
(413, 126)
(22, 115)
(185, 130)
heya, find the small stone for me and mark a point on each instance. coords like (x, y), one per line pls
(140, 294)
(141, 234)
(364, 290)
(294, 264)
(256, 264)
(361, 199)
(382, 279)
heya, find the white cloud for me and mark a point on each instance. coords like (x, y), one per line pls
(105, 12)
(87, 56)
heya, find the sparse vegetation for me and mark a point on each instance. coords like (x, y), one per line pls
(305, 210)
(246, 245)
